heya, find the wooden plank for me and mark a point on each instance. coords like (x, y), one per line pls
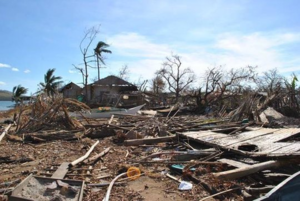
(211, 138)
(61, 171)
(266, 142)
(234, 163)
(137, 142)
(5, 131)
(227, 140)
(249, 135)
(241, 172)
(200, 134)
(281, 134)
(214, 145)
(269, 148)
(82, 158)
(265, 139)
(289, 148)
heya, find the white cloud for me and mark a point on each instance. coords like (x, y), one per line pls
(14, 69)
(135, 45)
(265, 50)
(262, 50)
(4, 65)
(26, 71)
(72, 71)
(2, 83)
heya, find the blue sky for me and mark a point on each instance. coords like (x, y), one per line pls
(38, 35)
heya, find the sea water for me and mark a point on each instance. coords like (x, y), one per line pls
(6, 105)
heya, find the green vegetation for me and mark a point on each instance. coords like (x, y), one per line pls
(51, 83)
(98, 53)
(18, 92)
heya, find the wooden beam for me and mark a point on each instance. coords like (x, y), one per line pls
(61, 171)
(241, 128)
(180, 162)
(96, 157)
(244, 171)
(5, 131)
(234, 163)
(82, 158)
(149, 141)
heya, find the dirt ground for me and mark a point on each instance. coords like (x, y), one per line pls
(19, 159)
(46, 157)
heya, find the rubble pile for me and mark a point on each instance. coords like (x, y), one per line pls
(129, 157)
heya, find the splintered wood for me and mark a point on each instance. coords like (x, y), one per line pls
(259, 142)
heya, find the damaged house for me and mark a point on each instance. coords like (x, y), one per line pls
(113, 91)
(71, 90)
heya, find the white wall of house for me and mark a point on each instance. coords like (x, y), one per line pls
(73, 92)
(98, 91)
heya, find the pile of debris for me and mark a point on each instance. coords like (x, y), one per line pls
(145, 158)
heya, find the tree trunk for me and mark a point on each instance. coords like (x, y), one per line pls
(98, 67)
(86, 78)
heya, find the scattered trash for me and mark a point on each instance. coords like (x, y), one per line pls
(228, 157)
(133, 173)
(185, 186)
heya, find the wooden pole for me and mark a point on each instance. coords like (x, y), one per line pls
(220, 193)
(5, 131)
(149, 141)
(96, 157)
(82, 158)
(244, 171)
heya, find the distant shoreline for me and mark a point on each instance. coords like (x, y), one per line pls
(1, 99)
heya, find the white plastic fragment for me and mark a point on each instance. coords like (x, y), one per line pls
(184, 186)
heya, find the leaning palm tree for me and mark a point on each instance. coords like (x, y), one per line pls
(98, 53)
(51, 83)
(18, 91)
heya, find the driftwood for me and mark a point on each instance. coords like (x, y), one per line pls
(96, 157)
(220, 193)
(82, 158)
(197, 153)
(14, 138)
(148, 141)
(195, 126)
(5, 131)
(244, 171)
(53, 135)
(241, 128)
(172, 177)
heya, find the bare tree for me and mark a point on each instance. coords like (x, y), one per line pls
(177, 77)
(89, 59)
(141, 83)
(124, 72)
(158, 84)
(81, 70)
(84, 46)
(271, 82)
(217, 81)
